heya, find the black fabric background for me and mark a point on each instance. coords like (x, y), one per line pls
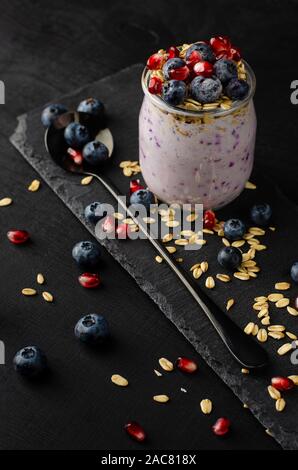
(49, 49)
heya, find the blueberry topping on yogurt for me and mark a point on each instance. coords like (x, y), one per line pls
(234, 229)
(205, 51)
(95, 153)
(225, 70)
(51, 112)
(237, 89)
(76, 135)
(174, 92)
(171, 65)
(205, 90)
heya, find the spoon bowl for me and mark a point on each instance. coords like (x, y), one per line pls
(57, 146)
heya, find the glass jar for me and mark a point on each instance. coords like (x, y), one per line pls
(202, 157)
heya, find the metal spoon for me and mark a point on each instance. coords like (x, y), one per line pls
(242, 347)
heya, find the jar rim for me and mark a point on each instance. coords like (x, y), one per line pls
(251, 79)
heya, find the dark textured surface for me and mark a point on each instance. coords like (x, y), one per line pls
(157, 280)
(50, 48)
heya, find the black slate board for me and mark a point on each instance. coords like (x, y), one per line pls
(122, 95)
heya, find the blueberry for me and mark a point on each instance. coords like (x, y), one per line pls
(86, 254)
(261, 214)
(30, 361)
(205, 51)
(50, 113)
(225, 70)
(144, 197)
(94, 212)
(230, 258)
(172, 64)
(92, 329)
(234, 229)
(91, 106)
(76, 135)
(95, 153)
(294, 272)
(205, 90)
(174, 92)
(237, 89)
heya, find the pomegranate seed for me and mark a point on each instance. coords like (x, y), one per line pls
(76, 156)
(181, 73)
(186, 365)
(221, 426)
(235, 54)
(172, 52)
(155, 61)
(108, 225)
(89, 280)
(193, 59)
(134, 186)
(220, 45)
(155, 85)
(209, 219)
(282, 383)
(135, 431)
(18, 236)
(223, 48)
(205, 69)
(122, 231)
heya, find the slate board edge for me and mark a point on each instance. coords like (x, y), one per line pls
(18, 139)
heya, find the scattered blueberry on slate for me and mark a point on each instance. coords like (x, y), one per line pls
(205, 90)
(92, 329)
(86, 254)
(95, 153)
(204, 50)
(91, 106)
(174, 92)
(229, 258)
(237, 89)
(225, 70)
(30, 361)
(234, 229)
(172, 64)
(261, 214)
(76, 135)
(144, 197)
(294, 272)
(94, 212)
(50, 113)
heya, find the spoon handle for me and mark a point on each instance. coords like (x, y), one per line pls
(242, 347)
